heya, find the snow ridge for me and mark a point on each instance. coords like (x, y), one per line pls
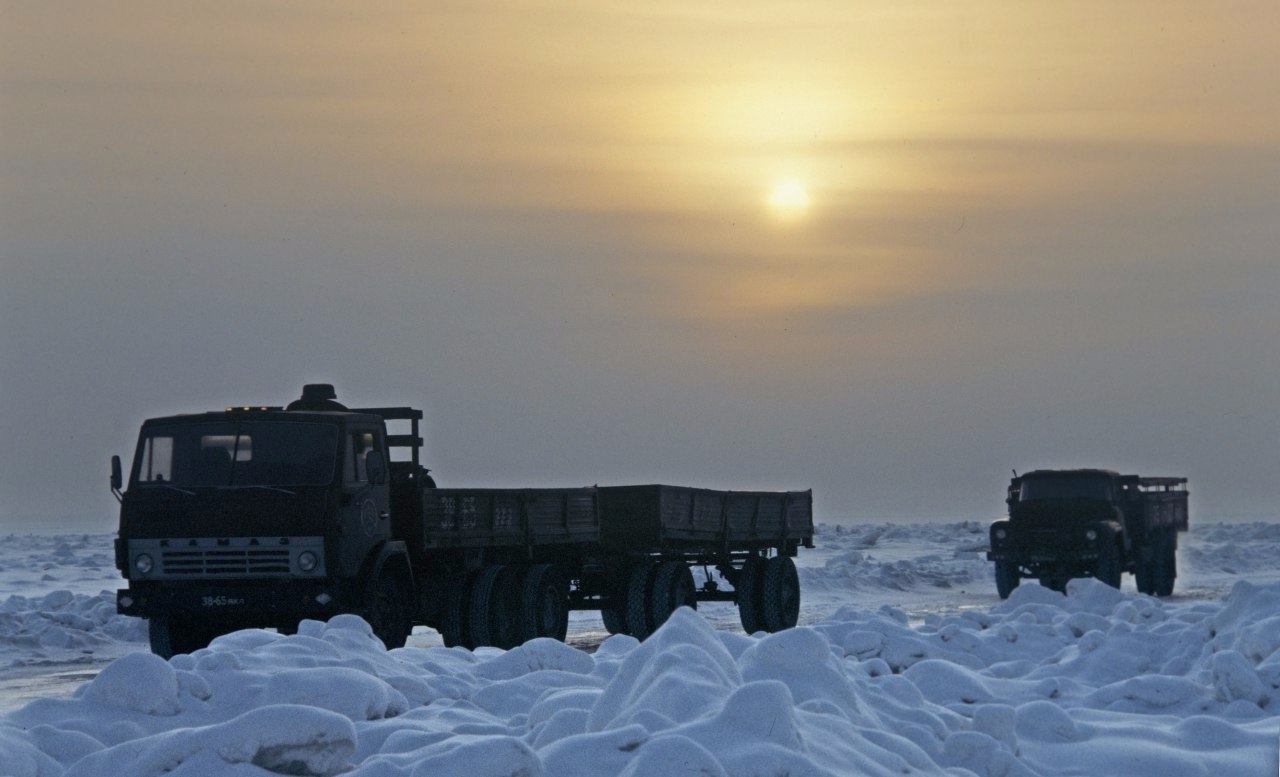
(1092, 682)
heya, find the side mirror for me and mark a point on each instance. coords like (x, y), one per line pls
(375, 466)
(117, 479)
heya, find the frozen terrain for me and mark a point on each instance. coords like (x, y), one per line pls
(905, 662)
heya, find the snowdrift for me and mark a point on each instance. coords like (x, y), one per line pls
(1097, 682)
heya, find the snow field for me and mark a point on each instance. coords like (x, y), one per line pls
(1097, 682)
(907, 664)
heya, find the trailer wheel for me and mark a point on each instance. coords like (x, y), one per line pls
(1007, 578)
(673, 588)
(170, 636)
(387, 609)
(544, 604)
(492, 606)
(748, 587)
(637, 616)
(780, 594)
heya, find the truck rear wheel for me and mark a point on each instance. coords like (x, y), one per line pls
(492, 608)
(748, 587)
(453, 619)
(1144, 576)
(637, 616)
(614, 603)
(780, 594)
(544, 604)
(1165, 559)
(1007, 578)
(613, 621)
(672, 588)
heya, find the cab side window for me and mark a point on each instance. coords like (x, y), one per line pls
(359, 443)
(155, 465)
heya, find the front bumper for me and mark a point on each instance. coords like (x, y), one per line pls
(1022, 556)
(1078, 544)
(264, 601)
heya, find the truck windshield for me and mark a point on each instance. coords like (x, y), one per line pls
(1066, 488)
(236, 454)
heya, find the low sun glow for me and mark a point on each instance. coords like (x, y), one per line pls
(789, 199)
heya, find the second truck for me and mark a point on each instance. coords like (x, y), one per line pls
(259, 516)
(1090, 523)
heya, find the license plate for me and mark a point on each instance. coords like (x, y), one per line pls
(223, 601)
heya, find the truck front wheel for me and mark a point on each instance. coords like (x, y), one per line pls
(387, 608)
(1109, 567)
(171, 635)
(1007, 578)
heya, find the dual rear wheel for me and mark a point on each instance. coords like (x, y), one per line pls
(505, 605)
(768, 594)
(646, 594)
(1156, 576)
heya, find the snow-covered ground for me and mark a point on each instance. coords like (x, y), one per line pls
(905, 662)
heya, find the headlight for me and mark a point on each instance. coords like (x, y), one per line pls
(1001, 534)
(144, 564)
(1091, 535)
(307, 561)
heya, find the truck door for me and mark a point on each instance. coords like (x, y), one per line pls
(365, 518)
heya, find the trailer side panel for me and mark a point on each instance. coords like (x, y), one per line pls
(657, 516)
(505, 517)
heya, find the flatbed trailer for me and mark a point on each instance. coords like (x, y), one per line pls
(262, 516)
(626, 551)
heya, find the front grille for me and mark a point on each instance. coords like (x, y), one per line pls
(247, 561)
(192, 558)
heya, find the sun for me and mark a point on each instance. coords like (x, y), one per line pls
(789, 199)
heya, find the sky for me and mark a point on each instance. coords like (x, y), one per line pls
(888, 252)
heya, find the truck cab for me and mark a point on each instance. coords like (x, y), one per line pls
(259, 516)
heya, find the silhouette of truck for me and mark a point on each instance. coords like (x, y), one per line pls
(263, 516)
(1090, 523)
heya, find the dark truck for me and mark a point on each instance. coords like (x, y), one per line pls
(1090, 523)
(263, 516)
